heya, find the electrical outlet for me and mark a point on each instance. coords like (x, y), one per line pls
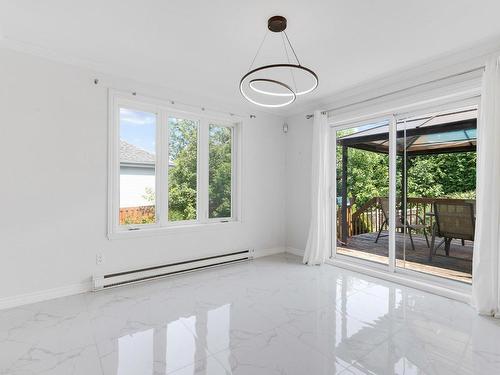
(99, 259)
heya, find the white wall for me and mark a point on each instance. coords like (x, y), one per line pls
(53, 145)
(298, 181)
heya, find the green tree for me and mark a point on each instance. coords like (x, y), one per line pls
(182, 174)
(367, 175)
(435, 176)
(219, 189)
(442, 175)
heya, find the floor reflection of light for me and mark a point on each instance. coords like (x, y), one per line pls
(354, 315)
(356, 306)
(181, 345)
(135, 353)
(398, 302)
(404, 366)
(218, 328)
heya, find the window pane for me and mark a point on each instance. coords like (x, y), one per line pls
(362, 192)
(182, 169)
(137, 167)
(220, 168)
(436, 192)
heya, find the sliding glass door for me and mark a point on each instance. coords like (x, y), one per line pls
(435, 192)
(417, 172)
(362, 185)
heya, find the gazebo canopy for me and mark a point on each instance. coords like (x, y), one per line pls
(435, 134)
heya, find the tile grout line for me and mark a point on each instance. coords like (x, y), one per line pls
(85, 297)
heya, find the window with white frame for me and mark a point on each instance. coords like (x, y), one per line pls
(169, 168)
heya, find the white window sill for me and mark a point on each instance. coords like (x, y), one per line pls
(171, 230)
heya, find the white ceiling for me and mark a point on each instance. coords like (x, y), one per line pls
(206, 46)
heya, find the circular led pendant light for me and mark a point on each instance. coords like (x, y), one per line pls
(277, 85)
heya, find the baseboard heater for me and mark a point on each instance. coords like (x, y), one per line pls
(100, 282)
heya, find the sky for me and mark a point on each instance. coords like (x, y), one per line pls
(138, 128)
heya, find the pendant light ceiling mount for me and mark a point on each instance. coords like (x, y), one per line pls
(276, 24)
(277, 85)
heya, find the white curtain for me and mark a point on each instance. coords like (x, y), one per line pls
(318, 241)
(486, 262)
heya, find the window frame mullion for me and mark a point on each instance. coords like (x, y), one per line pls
(162, 167)
(203, 154)
(392, 192)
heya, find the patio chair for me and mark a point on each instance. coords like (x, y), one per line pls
(453, 220)
(400, 223)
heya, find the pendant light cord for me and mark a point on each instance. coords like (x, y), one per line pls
(288, 59)
(291, 47)
(258, 50)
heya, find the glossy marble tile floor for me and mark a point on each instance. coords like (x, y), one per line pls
(268, 316)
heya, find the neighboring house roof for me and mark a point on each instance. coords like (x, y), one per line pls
(131, 154)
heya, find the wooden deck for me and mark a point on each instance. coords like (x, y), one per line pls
(457, 266)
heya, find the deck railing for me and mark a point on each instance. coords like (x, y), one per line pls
(370, 218)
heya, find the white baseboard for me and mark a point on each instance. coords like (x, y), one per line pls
(43, 295)
(271, 251)
(294, 251)
(47, 294)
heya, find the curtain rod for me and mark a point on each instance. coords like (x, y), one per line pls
(479, 68)
(459, 96)
(174, 102)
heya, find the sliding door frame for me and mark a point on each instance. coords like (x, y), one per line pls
(449, 288)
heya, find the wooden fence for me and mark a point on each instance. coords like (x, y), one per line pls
(137, 215)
